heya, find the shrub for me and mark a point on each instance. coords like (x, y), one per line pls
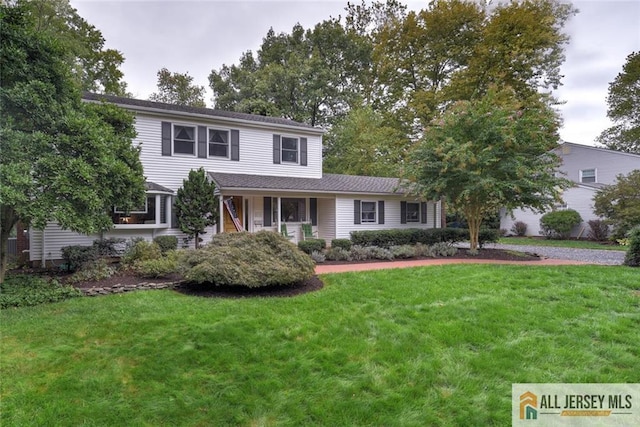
(632, 258)
(558, 224)
(75, 256)
(360, 253)
(519, 228)
(598, 230)
(111, 247)
(166, 243)
(487, 235)
(94, 270)
(337, 254)
(407, 236)
(380, 253)
(403, 251)
(24, 290)
(141, 250)
(341, 243)
(444, 249)
(247, 259)
(310, 245)
(422, 250)
(318, 257)
(159, 267)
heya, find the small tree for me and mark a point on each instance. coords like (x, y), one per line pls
(486, 154)
(632, 258)
(196, 206)
(619, 203)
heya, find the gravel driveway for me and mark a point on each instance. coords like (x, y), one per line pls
(593, 256)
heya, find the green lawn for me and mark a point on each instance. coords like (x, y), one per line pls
(579, 244)
(414, 347)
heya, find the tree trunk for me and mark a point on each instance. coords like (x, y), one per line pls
(197, 237)
(474, 219)
(7, 221)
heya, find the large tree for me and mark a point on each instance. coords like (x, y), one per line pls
(624, 109)
(486, 154)
(196, 205)
(178, 88)
(619, 203)
(61, 159)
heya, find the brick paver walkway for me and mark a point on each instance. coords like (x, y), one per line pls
(340, 268)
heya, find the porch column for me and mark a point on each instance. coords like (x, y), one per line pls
(221, 210)
(279, 226)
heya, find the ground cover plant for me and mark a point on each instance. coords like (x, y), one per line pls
(578, 244)
(436, 346)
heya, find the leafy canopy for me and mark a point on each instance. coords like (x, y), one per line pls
(619, 203)
(177, 88)
(196, 205)
(485, 154)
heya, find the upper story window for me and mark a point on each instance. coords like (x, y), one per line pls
(218, 143)
(588, 176)
(184, 139)
(368, 211)
(289, 149)
(413, 212)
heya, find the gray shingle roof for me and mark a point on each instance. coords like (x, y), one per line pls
(169, 108)
(152, 186)
(329, 183)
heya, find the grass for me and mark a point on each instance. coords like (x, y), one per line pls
(578, 244)
(436, 346)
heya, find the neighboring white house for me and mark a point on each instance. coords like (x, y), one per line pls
(267, 170)
(590, 168)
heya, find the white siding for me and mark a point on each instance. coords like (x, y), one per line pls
(345, 216)
(608, 163)
(327, 219)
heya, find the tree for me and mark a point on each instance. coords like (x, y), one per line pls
(196, 206)
(619, 203)
(624, 109)
(363, 144)
(486, 154)
(61, 159)
(177, 88)
(96, 69)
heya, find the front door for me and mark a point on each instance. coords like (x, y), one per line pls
(233, 204)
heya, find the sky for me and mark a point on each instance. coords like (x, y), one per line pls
(200, 36)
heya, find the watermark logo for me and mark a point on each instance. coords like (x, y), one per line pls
(528, 406)
(575, 405)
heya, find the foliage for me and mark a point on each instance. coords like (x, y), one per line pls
(312, 245)
(444, 249)
(632, 258)
(75, 256)
(558, 224)
(519, 228)
(157, 267)
(93, 270)
(141, 250)
(363, 253)
(318, 257)
(338, 254)
(196, 205)
(341, 243)
(619, 203)
(422, 250)
(598, 230)
(624, 109)
(248, 260)
(62, 159)
(108, 247)
(403, 251)
(178, 89)
(487, 154)
(166, 243)
(408, 236)
(28, 290)
(487, 235)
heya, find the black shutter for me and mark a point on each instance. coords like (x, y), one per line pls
(403, 212)
(202, 142)
(380, 211)
(313, 206)
(423, 212)
(303, 151)
(266, 214)
(235, 145)
(166, 138)
(174, 217)
(276, 149)
(357, 218)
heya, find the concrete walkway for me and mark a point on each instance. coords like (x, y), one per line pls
(341, 268)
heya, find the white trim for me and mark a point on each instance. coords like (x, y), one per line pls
(220, 129)
(375, 212)
(595, 175)
(195, 139)
(418, 220)
(287, 162)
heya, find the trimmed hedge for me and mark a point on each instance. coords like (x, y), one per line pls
(558, 224)
(310, 246)
(412, 236)
(341, 243)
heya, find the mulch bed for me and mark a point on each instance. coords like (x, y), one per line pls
(310, 285)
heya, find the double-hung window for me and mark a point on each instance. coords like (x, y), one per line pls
(588, 176)
(368, 211)
(289, 150)
(413, 212)
(184, 139)
(218, 143)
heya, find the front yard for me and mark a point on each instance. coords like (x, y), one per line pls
(422, 346)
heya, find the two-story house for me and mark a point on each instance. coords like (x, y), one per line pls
(590, 168)
(267, 171)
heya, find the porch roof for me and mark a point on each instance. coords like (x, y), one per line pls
(152, 186)
(329, 183)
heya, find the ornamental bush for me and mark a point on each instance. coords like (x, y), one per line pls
(558, 224)
(312, 245)
(408, 236)
(519, 228)
(247, 259)
(598, 230)
(158, 267)
(341, 243)
(166, 243)
(141, 250)
(29, 290)
(632, 258)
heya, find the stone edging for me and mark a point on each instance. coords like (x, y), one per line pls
(119, 289)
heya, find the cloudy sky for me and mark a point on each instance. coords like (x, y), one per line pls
(198, 36)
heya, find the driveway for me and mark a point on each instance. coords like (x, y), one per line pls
(590, 256)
